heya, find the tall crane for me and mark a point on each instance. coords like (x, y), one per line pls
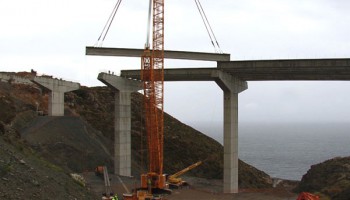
(152, 76)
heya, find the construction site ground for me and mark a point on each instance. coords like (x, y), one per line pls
(198, 189)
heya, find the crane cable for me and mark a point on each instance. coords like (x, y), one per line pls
(107, 25)
(208, 27)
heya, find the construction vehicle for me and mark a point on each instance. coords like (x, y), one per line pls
(99, 171)
(307, 196)
(152, 76)
(176, 182)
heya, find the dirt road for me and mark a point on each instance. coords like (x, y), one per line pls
(122, 185)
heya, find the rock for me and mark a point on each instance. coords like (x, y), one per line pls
(35, 182)
(5, 179)
(22, 162)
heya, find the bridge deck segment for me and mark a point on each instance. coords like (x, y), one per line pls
(263, 70)
(187, 55)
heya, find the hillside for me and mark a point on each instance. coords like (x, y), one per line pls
(330, 178)
(23, 173)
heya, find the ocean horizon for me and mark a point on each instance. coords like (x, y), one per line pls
(286, 150)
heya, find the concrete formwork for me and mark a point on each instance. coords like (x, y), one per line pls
(122, 120)
(56, 88)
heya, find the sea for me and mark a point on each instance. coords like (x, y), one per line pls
(286, 150)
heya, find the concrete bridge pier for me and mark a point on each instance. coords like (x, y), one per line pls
(122, 120)
(231, 87)
(57, 88)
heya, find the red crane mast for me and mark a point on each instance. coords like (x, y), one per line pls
(152, 75)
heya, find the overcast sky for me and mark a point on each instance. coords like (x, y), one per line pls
(50, 36)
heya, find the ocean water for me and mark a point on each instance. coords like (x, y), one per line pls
(287, 150)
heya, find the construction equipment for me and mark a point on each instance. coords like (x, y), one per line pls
(175, 181)
(152, 75)
(102, 171)
(307, 196)
(99, 171)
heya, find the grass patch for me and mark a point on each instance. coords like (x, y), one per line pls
(5, 169)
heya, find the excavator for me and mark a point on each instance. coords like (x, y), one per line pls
(307, 196)
(176, 182)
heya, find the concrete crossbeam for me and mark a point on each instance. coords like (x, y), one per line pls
(57, 89)
(187, 55)
(122, 121)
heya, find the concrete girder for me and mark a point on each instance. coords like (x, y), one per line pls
(187, 55)
(294, 70)
(122, 119)
(57, 89)
(4, 77)
(185, 74)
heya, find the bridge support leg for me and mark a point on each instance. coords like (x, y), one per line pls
(231, 87)
(122, 120)
(122, 133)
(56, 103)
(57, 88)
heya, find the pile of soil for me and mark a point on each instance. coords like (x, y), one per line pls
(25, 175)
(76, 145)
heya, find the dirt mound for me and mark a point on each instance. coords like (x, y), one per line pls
(75, 144)
(330, 178)
(25, 175)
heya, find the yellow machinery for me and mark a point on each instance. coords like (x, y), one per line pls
(174, 179)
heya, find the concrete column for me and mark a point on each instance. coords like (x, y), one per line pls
(231, 86)
(57, 88)
(122, 120)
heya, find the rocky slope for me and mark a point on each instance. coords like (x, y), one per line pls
(330, 178)
(23, 173)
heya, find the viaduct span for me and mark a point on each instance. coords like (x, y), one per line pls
(232, 77)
